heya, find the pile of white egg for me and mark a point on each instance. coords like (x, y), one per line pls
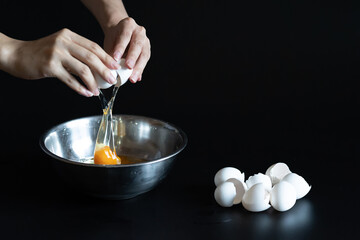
(278, 187)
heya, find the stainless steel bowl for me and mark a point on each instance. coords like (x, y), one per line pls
(158, 142)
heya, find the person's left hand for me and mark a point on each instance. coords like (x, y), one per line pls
(128, 40)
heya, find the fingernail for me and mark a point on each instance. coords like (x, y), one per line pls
(130, 63)
(117, 55)
(140, 78)
(134, 77)
(87, 93)
(96, 92)
(115, 65)
(111, 79)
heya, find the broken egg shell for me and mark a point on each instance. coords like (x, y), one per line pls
(225, 194)
(226, 173)
(240, 187)
(301, 186)
(277, 171)
(257, 198)
(259, 178)
(123, 72)
(283, 196)
(102, 84)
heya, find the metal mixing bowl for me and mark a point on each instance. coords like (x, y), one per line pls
(158, 142)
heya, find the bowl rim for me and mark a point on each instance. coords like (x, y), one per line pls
(56, 157)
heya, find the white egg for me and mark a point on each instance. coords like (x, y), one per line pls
(123, 72)
(277, 171)
(257, 198)
(240, 187)
(259, 178)
(226, 173)
(301, 186)
(225, 194)
(283, 196)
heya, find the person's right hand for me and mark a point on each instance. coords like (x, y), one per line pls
(60, 55)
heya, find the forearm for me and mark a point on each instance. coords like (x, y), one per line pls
(7, 48)
(107, 12)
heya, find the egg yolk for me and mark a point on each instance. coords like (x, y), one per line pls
(105, 156)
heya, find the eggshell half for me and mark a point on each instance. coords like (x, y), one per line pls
(277, 171)
(102, 84)
(240, 187)
(283, 196)
(123, 72)
(225, 194)
(301, 186)
(256, 199)
(226, 173)
(259, 178)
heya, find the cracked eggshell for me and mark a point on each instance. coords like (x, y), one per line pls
(123, 72)
(277, 171)
(102, 84)
(226, 173)
(225, 194)
(256, 199)
(259, 178)
(240, 187)
(283, 196)
(301, 186)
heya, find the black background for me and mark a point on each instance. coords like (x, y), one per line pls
(250, 82)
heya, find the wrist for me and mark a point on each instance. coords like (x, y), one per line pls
(112, 21)
(107, 12)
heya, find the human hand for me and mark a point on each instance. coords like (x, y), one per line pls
(60, 55)
(128, 40)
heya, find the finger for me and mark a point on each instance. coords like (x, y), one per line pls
(139, 67)
(92, 61)
(95, 49)
(71, 82)
(135, 48)
(121, 43)
(80, 69)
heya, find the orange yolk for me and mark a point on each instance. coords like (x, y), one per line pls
(105, 156)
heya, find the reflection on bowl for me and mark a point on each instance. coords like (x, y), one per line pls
(71, 144)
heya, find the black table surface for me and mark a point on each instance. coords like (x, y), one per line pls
(36, 204)
(250, 85)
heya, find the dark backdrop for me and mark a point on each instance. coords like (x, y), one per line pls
(275, 73)
(250, 82)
